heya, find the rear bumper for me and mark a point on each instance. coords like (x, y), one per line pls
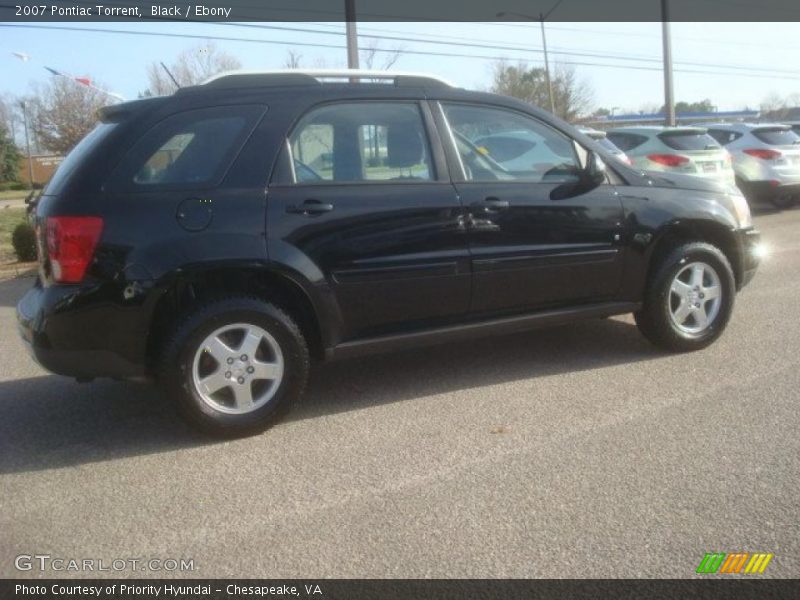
(67, 339)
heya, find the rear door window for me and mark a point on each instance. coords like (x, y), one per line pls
(360, 142)
(192, 149)
(688, 141)
(777, 136)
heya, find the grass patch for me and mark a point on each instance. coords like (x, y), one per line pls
(14, 194)
(9, 218)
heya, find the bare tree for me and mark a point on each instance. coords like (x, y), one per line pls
(572, 96)
(192, 66)
(368, 56)
(62, 112)
(293, 60)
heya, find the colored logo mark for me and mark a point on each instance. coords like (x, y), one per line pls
(737, 562)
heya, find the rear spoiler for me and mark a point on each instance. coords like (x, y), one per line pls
(683, 131)
(115, 113)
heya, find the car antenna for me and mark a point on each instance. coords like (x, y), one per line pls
(175, 81)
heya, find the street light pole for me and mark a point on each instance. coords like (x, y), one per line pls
(352, 33)
(669, 96)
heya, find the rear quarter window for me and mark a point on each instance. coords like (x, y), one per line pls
(626, 141)
(777, 137)
(689, 141)
(77, 155)
(187, 150)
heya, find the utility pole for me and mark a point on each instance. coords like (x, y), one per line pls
(24, 107)
(669, 96)
(547, 65)
(352, 33)
(542, 18)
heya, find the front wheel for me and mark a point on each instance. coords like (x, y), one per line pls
(235, 365)
(689, 300)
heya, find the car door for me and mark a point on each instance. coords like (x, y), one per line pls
(532, 246)
(364, 204)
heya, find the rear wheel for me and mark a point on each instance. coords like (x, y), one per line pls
(689, 300)
(235, 366)
(783, 200)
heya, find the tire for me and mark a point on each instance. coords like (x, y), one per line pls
(783, 201)
(670, 317)
(209, 351)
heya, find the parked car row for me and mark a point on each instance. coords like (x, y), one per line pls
(762, 159)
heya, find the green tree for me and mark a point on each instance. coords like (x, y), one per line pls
(9, 157)
(572, 96)
(689, 107)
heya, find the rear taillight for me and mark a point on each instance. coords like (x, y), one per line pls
(669, 160)
(70, 245)
(763, 153)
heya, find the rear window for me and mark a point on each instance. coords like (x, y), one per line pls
(626, 141)
(76, 156)
(777, 136)
(688, 140)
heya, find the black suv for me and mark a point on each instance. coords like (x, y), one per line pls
(219, 239)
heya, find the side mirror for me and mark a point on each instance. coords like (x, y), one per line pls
(595, 171)
(588, 178)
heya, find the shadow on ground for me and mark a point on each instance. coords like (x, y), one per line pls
(53, 422)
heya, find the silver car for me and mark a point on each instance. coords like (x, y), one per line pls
(766, 158)
(684, 150)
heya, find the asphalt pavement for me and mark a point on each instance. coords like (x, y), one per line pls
(579, 451)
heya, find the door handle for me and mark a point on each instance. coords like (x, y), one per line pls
(492, 204)
(310, 207)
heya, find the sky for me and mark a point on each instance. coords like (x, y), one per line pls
(735, 65)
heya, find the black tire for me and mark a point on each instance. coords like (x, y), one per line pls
(783, 201)
(655, 320)
(175, 368)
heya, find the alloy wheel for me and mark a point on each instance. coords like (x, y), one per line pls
(238, 368)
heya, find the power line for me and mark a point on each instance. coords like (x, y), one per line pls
(493, 45)
(340, 47)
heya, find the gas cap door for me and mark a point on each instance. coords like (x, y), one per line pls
(195, 214)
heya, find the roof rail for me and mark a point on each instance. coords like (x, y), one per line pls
(316, 76)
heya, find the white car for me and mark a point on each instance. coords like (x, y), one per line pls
(766, 158)
(684, 150)
(601, 137)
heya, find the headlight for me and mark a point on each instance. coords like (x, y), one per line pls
(742, 210)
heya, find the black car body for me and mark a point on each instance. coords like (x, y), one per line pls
(359, 265)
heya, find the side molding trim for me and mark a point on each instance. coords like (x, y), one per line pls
(501, 326)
